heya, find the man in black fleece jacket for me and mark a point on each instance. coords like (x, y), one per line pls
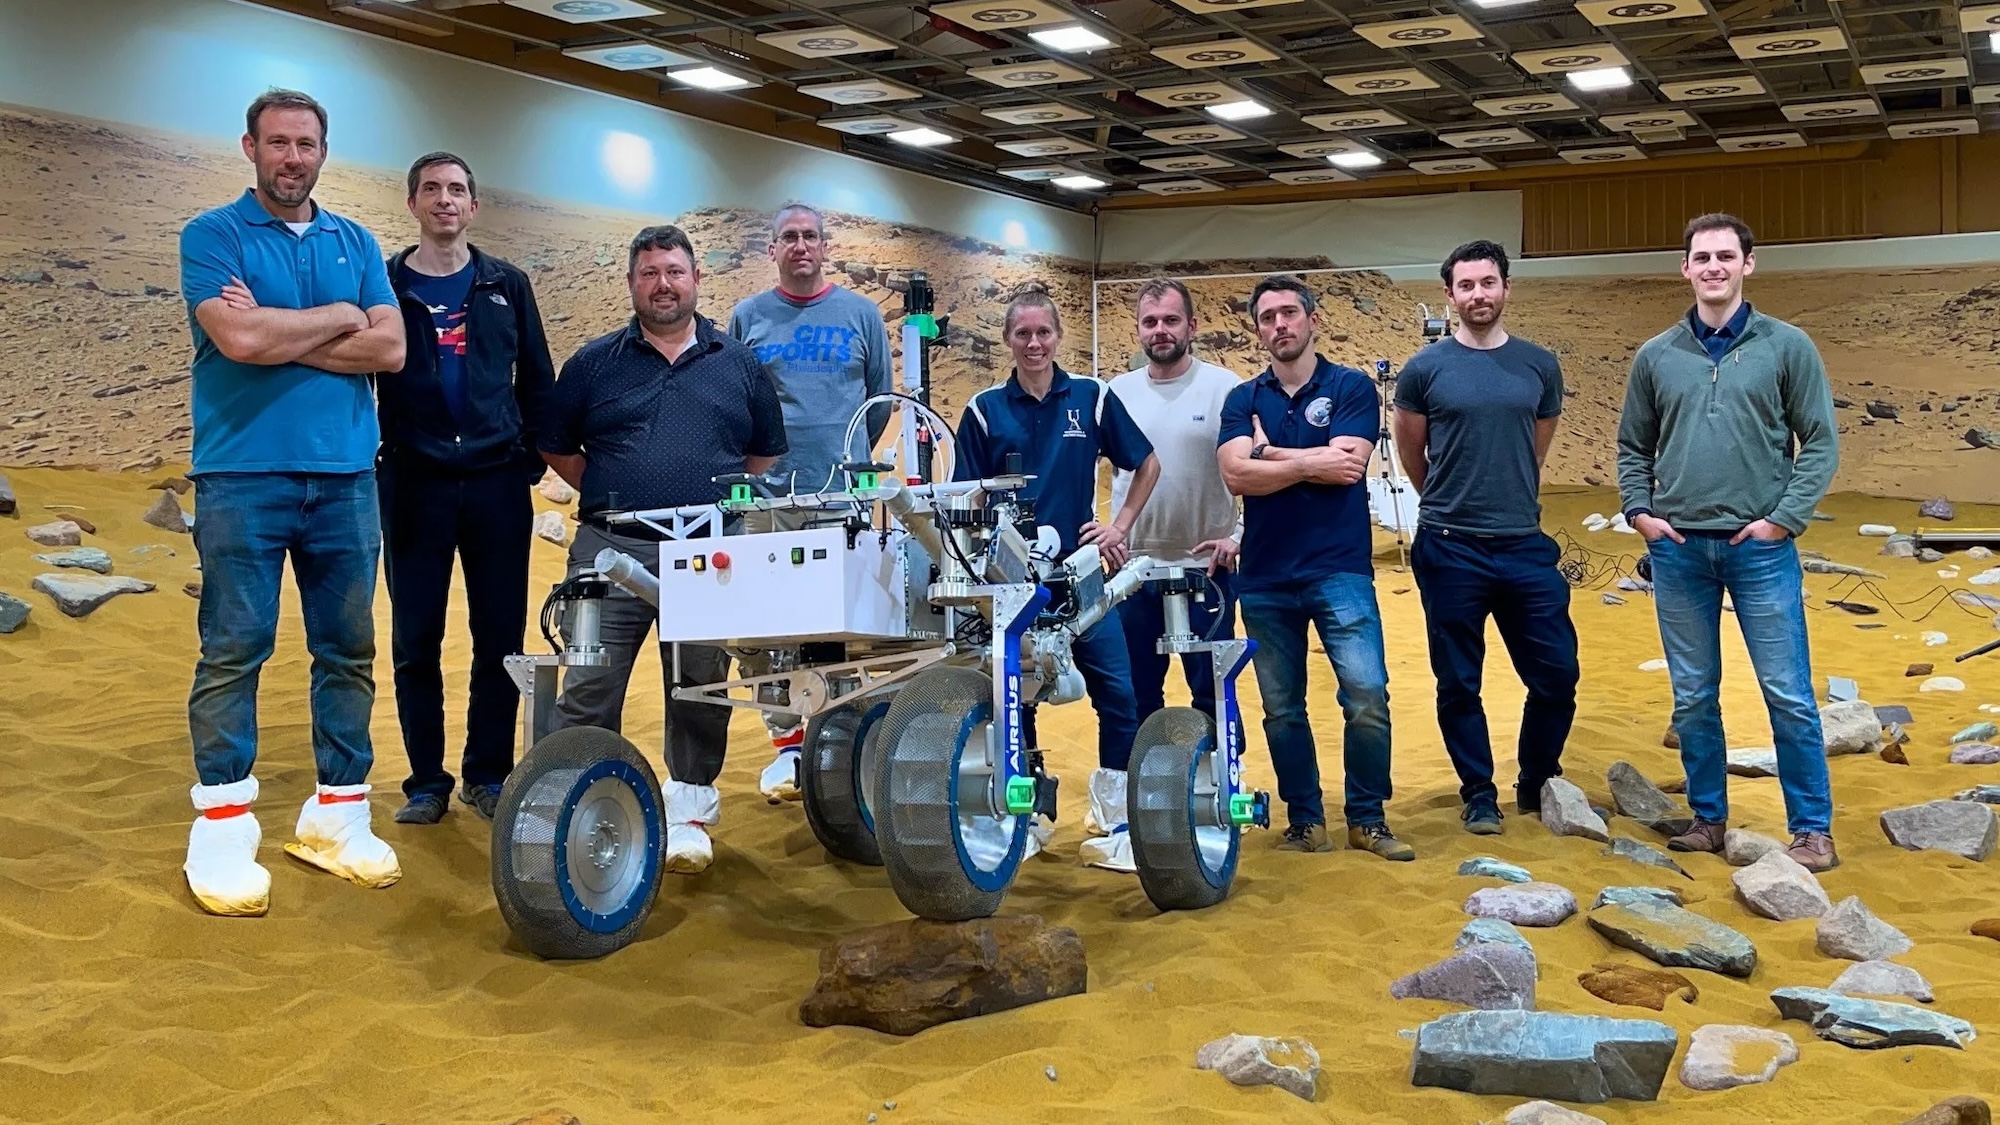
(458, 459)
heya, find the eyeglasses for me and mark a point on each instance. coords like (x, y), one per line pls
(794, 237)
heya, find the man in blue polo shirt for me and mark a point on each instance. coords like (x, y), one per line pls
(291, 311)
(1294, 444)
(1060, 425)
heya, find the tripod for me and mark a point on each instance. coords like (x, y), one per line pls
(1386, 492)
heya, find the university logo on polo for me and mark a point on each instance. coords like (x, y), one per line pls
(1319, 411)
(1075, 424)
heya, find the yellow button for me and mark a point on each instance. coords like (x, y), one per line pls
(701, 562)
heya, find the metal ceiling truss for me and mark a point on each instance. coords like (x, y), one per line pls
(1474, 85)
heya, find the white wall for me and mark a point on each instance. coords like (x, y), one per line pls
(191, 66)
(1401, 231)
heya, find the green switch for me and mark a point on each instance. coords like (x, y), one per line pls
(798, 556)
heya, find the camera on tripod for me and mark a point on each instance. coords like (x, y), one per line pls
(1435, 327)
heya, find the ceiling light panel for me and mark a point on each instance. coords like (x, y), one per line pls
(1418, 32)
(1781, 44)
(1036, 173)
(1841, 109)
(1323, 149)
(1379, 82)
(1187, 162)
(1919, 70)
(1221, 52)
(1608, 13)
(1985, 95)
(1556, 60)
(1039, 113)
(631, 56)
(1514, 105)
(1985, 17)
(1354, 119)
(1195, 95)
(588, 11)
(1207, 6)
(1645, 119)
(864, 126)
(1193, 134)
(1314, 176)
(860, 92)
(1615, 154)
(825, 42)
(993, 15)
(1713, 89)
(1076, 38)
(1045, 146)
(1912, 130)
(1452, 166)
(1761, 142)
(1489, 138)
(1037, 72)
(1177, 187)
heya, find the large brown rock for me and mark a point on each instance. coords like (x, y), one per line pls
(1637, 987)
(1962, 1110)
(906, 976)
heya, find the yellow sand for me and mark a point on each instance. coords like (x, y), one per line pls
(121, 1002)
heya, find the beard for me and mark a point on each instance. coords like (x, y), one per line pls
(662, 320)
(1289, 350)
(1167, 353)
(267, 185)
(1480, 316)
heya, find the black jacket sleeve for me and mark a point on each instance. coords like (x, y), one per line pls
(534, 370)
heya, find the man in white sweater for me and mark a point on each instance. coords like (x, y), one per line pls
(1191, 520)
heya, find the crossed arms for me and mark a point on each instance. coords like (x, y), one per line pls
(342, 338)
(1342, 460)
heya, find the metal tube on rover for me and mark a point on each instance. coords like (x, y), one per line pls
(629, 574)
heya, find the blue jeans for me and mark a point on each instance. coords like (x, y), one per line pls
(1343, 609)
(1107, 678)
(1464, 579)
(1764, 582)
(1145, 619)
(246, 525)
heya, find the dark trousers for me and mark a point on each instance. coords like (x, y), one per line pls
(485, 521)
(1144, 616)
(1464, 579)
(1107, 678)
(697, 733)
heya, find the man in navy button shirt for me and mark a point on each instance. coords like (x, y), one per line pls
(458, 459)
(291, 311)
(1060, 425)
(647, 417)
(1294, 444)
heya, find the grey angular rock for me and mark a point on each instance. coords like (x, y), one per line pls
(1850, 727)
(1724, 1056)
(1778, 888)
(1975, 754)
(1569, 1058)
(1965, 828)
(1929, 555)
(1635, 796)
(1882, 978)
(1753, 761)
(1742, 847)
(1567, 812)
(1675, 937)
(1487, 867)
(79, 558)
(13, 613)
(1984, 794)
(1491, 931)
(60, 533)
(1937, 508)
(1870, 1024)
(1625, 896)
(1646, 854)
(1899, 547)
(7, 501)
(1486, 976)
(78, 595)
(1256, 1060)
(166, 514)
(1524, 904)
(1547, 1113)
(1977, 732)
(1849, 930)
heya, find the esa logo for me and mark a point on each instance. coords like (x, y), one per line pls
(1319, 412)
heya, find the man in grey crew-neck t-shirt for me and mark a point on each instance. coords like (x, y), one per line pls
(1475, 413)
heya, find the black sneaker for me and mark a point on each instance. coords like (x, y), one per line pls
(483, 798)
(1528, 799)
(1482, 818)
(424, 808)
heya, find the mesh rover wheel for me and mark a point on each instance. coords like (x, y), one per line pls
(1186, 861)
(577, 837)
(944, 862)
(839, 768)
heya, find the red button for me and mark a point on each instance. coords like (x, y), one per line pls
(720, 559)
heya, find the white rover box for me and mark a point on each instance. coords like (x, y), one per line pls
(784, 587)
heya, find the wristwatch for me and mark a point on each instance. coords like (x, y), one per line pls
(1257, 451)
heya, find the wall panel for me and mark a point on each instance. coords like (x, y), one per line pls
(1785, 203)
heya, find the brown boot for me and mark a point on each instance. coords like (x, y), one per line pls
(1703, 837)
(1813, 851)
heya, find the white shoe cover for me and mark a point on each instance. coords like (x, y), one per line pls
(1106, 813)
(1112, 853)
(335, 835)
(690, 810)
(780, 780)
(222, 868)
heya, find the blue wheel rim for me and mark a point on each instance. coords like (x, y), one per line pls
(655, 822)
(1002, 874)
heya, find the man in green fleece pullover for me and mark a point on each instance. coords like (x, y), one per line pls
(1727, 442)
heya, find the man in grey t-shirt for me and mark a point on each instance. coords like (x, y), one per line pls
(1475, 414)
(829, 351)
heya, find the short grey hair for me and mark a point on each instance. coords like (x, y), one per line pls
(790, 209)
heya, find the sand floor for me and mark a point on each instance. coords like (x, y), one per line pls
(121, 1002)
